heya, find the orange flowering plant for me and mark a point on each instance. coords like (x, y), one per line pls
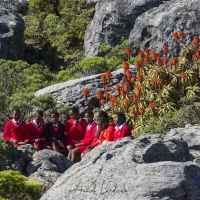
(158, 86)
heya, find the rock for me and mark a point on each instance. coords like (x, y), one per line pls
(112, 21)
(70, 92)
(19, 6)
(11, 35)
(155, 27)
(146, 23)
(47, 166)
(23, 157)
(155, 167)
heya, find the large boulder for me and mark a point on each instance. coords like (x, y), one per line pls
(147, 23)
(19, 6)
(11, 35)
(155, 27)
(47, 166)
(70, 92)
(155, 167)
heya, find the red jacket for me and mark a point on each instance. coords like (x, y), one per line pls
(74, 132)
(13, 131)
(106, 135)
(122, 131)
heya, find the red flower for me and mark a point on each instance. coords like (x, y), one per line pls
(146, 52)
(132, 79)
(138, 91)
(103, 101)
(113, 100)
(139, 64)
(128, 73)
(196, 41)
(123, 92)
(174, 61)
(183, 75)
(165, 61)
(154, 55)
(146, 60)
(141, 54)
(159, 60)
(165, 49)
(152, 106)
(127, 102)
(181, 35)
(141, 110)
(139, 76)
(103, 77)
(133, 114)
(108, 75)
(135, 99)
(126, 86)
(85, 92)
(128, 51)
(125, 66)
(195, 57)
(99, 95)
(118, 87)
(175, 37)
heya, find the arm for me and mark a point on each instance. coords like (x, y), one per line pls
(125, 132)
(6, 132)
(110, 133)
(70, 128)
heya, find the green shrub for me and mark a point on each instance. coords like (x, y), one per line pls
(7, 150)
(14, 186)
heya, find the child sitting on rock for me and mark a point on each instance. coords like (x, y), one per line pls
(54, 133)
(15, 129)
(121, 129)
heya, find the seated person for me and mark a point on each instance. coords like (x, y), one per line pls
(106, 133)
(75, 154)
(15, 129)
(35, 131)
(54, 133)
(121, 129)
(74, 128)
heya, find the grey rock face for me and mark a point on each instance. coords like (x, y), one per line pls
(156, 167)
(70, 92)
(47, 166)
(147, 23)
(89, 2)
(114, 20)
(156, 26)
(11, 35)
(19, 6)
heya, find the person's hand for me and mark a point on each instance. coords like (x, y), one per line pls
(37, 140)
(77, 144)
(75, 121)
(90, 147)
(61, 144)
(14, 141)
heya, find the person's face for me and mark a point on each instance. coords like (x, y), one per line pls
(16, 115)
(38, 118)
(102, 126)
(73, 115)
(54, 118)
(98, 116)
(117, 120)
(88, 118)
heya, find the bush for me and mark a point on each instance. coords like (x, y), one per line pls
(13, 186)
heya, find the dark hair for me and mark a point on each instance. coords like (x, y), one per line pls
(74, 109)
(102, 120)
(54, 113)
(89, 112)
(38, 113)
(16, 110)
(120, 114)
(103, 114)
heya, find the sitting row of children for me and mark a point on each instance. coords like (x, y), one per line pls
(76, 137)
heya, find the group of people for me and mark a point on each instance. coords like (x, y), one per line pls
(74, 139)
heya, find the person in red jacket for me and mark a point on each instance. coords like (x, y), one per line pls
(15, 129)
(75, 154)
(106, 133)
(35, 131)
(74, 128)
(121, 129)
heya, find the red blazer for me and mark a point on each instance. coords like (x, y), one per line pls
(123, 131)
(15, 131)
(89, 134)
(74, 132)
(106, 135)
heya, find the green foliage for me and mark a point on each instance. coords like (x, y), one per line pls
(7, 150)
(58, 29)
(44, 102)
(189, 114)
(13, 185)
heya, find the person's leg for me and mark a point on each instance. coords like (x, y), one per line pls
(75, 155)
(55, 146)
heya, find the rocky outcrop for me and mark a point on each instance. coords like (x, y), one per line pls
(47, 166)
(149, 167)
(11, 35)
(19, 6)
(147, 23)
(156, 26)
(70, 92)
